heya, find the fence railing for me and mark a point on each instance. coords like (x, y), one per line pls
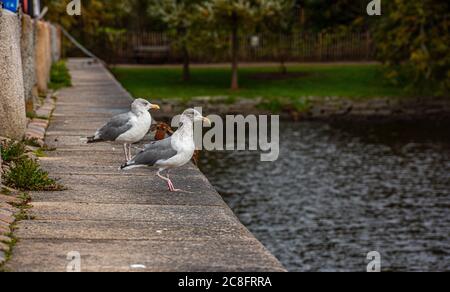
(156, 47)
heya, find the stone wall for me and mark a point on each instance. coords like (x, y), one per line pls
(28, 40)
(55, 43)
(43, 56)
(421, 108)
(12, 94)
(317, 108)
(27, 50)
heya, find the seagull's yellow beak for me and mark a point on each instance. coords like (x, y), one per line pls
(206, 121)
(155, 107)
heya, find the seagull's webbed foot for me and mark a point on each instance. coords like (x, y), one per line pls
(170, 184)
(181, 191)
(174, 190)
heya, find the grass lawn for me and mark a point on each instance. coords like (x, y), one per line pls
(351, 81)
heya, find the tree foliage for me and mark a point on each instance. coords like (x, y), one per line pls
(320, 15)
(182, 20)
(95, 14)
(279, 21)
(411, 36)
(99, 14)
(413, 41)
(237, 17)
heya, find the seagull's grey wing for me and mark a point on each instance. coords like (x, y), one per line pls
(153, 152)
(159, 144)
(115, 127)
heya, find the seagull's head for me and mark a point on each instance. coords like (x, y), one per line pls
(195, 116)
(141, 104)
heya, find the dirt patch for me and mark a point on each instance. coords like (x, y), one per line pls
(267, 76)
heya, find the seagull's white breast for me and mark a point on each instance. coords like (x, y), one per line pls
(140, 126)
(183, 143)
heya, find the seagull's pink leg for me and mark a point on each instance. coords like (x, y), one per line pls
(130, 156)
(125, 151)
(170, 184)
(172, 187)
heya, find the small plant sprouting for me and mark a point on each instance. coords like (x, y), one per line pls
(26, 175)
(40, 153)
(12, 150)
(59, 76)
(31, 142)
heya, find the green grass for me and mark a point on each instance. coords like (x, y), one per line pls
(59, 76)
(12, 151)
(350, 81)
(25, 173)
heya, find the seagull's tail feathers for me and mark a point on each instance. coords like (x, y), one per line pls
(130, 165)
(93, 139)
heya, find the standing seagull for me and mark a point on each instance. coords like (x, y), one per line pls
(127, 128)
(172, 152)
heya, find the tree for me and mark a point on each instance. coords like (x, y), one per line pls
(137, 14)
(181, 18)
(278, 20)
(413, 42)
(95, 14)
(237, 16)
(323, 15)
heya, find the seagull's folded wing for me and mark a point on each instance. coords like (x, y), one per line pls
(154, 152)
(115, 127)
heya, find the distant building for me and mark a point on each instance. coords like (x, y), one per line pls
(11, 5)
(30, 7)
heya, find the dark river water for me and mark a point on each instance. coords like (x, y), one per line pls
(339, 192)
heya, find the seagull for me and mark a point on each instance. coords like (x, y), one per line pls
(127, 128)
(172, 152)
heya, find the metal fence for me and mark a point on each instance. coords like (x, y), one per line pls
(156, 47)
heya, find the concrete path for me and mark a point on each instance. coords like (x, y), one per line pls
(116, 220)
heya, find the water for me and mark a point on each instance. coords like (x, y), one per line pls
(337, 193)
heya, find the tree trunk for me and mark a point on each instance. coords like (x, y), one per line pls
(283, 67)
(186, 64)
(283, 55)
(235, 52)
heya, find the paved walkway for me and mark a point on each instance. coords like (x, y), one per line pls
(116, 220)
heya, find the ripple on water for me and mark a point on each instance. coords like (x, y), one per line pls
(335, 195)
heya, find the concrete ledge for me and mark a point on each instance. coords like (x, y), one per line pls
(115, 219)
